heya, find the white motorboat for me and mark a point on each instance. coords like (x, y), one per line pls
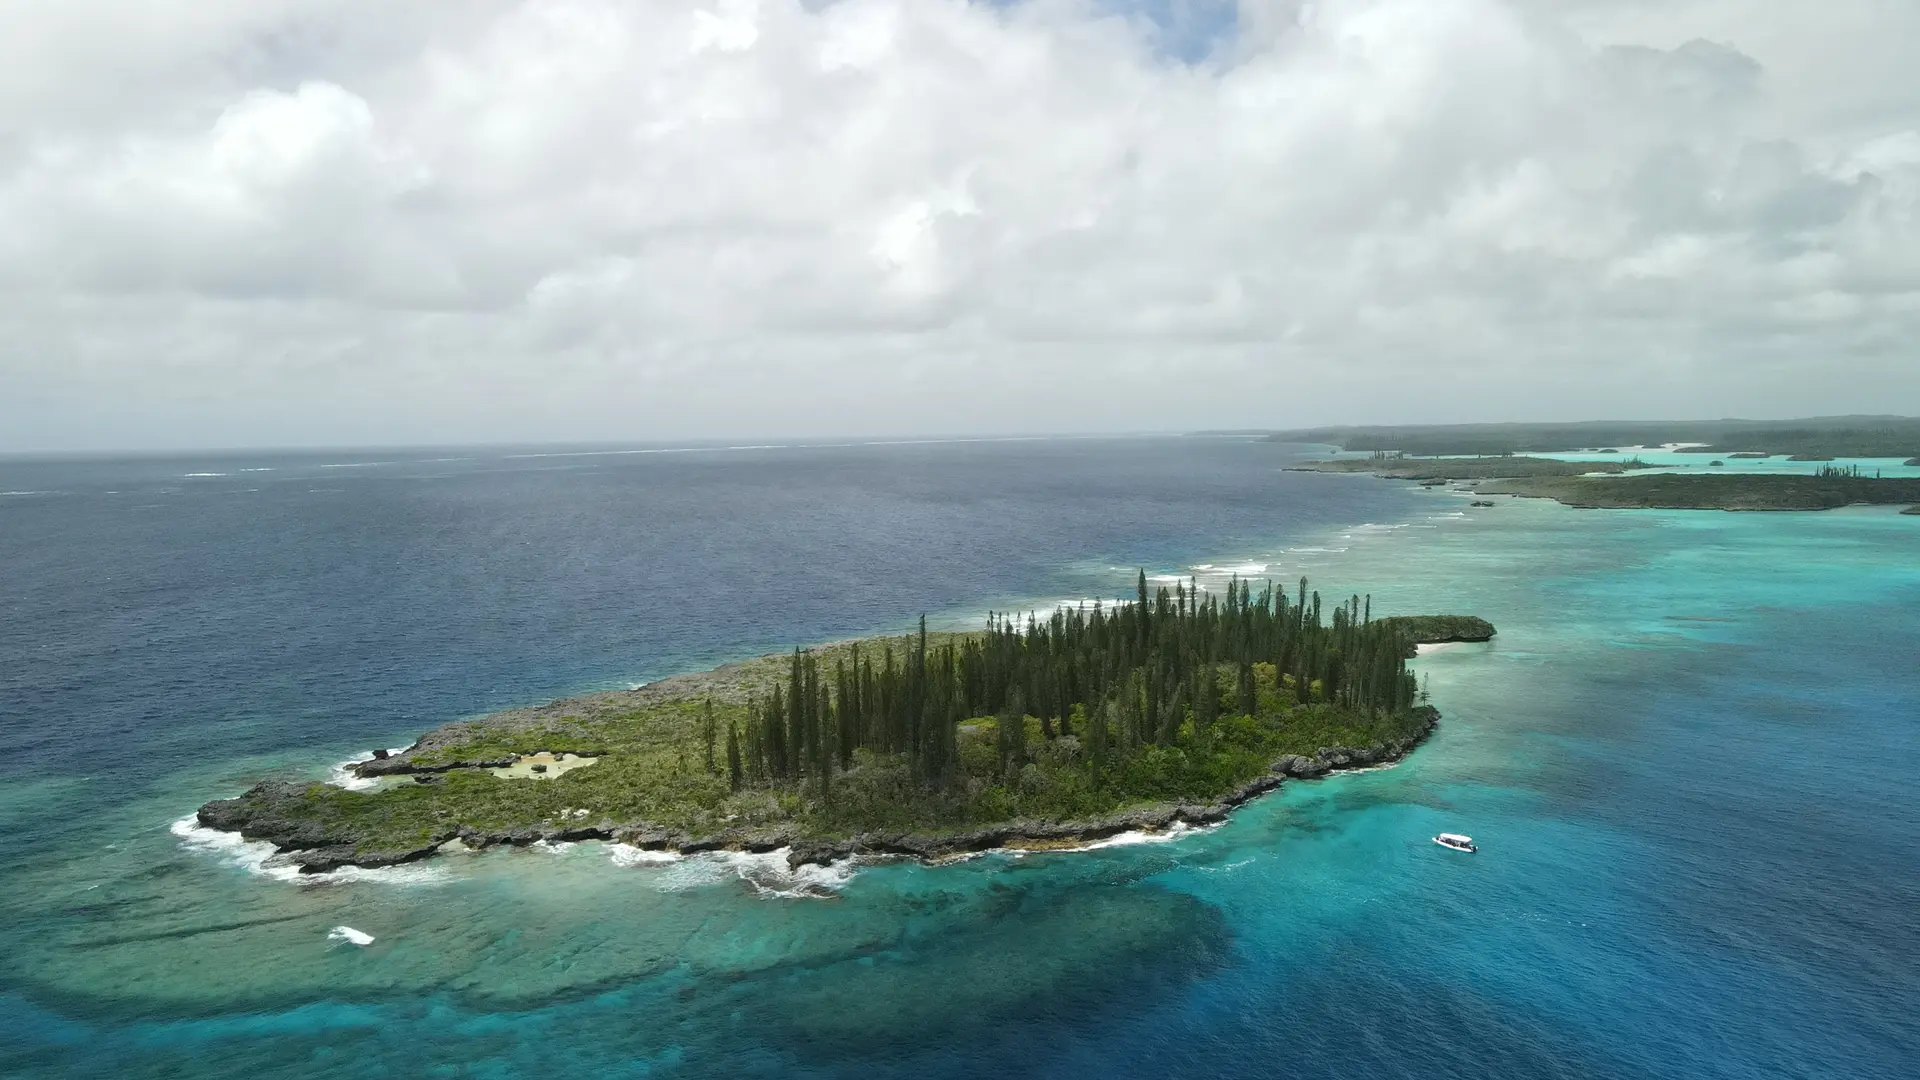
(1455, 841)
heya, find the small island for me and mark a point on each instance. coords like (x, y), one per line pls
(1174, 707)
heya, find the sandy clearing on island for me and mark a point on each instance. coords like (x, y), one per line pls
(523, 768)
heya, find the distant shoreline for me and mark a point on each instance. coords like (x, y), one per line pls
(1571, 484)
(1807, 439)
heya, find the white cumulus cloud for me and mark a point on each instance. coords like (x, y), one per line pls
(339, 220)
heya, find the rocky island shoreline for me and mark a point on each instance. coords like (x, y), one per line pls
(1171, 710)
(271, 811)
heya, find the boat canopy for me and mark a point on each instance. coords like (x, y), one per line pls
(1455, 838)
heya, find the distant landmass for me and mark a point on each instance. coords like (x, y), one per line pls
(1476, 468)
(1573, 483)
(1715, 491)
(1811, 439)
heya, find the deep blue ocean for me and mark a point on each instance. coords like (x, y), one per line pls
(1689, 758)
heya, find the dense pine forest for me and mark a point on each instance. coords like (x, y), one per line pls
(1175, 694)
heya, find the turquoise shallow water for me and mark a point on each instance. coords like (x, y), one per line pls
(1687, 758)
(1675, 462)
(1666, 460)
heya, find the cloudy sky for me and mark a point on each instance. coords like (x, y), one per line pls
(281, 222)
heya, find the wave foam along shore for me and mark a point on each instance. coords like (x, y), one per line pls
(768, 873)
(259, 857)
(341, 775)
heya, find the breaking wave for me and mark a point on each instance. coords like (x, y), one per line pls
(343, 776)
(766, 873)
(258, 857)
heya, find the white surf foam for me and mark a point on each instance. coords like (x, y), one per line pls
(348, 933)
(766, 873)
(1179, 830)
(259, 857)
(343, 776)
(1246, 569)
(769, 875)
(193, 475)
(1017, 619)
(628, 855)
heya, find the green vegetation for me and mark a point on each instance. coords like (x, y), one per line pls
(1433, 629)
(1575, 484)
(1817, 438)
(1177, 696)
(1894, 438)
(1718, 491)
(1468, 468)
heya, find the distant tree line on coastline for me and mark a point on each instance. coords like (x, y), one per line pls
(1814, 438)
